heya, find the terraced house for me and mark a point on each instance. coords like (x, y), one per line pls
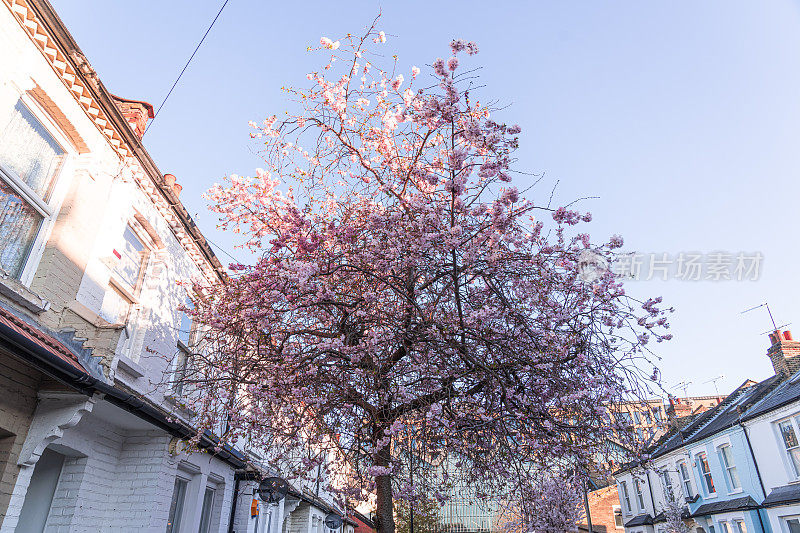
(94, 243)
(734, 468)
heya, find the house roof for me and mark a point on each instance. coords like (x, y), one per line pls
(730, 410)
(40, 337)
(782, 495)
(786, 392)
(736, 504)
(736, 407)
(640, 520)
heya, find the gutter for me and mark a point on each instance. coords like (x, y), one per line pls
(58, 369)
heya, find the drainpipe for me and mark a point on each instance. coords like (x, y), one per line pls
(758, 474)
(233, 505)
(650, 488)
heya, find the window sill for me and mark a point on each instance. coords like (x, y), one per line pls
(737, 491)
(130, 367)
(22, 295)
(710, 496)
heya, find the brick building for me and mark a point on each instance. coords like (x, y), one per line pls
(93, 242)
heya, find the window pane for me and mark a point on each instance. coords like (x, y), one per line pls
(205, 516)
(787, 432)
(19, 223)
(28, 150)
(705, 470)
(176, 507)
(181, 365)
(794, 525)
(726, 456)
(185, 328)
(740, 527)
(129, 265)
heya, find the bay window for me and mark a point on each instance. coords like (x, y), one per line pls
(30, 160)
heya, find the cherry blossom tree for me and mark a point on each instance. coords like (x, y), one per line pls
(550, 502)
(406, 291)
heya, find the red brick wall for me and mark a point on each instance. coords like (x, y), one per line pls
(361, 527)
(601, 506)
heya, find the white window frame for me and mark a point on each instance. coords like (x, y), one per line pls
(132, 293)
(791, 470)
(666, 481)
(182, 515)
(178, 390)
(703, 482)
(741, 526)
(725, 527)
(784, 522)
(686, 480)
(623, 485)
(48, 210)
(639, 493)
(618, 509)
(729, 469)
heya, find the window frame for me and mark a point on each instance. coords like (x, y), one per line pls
(47, 209)
(207, 513)
(616, 510)
(730, 469)
(784, 522)
(706, 476)
(132, 293)
(179, 510)
(793, 469)
(627, 497)
(185, 351)
(637, 489)
(686, 479)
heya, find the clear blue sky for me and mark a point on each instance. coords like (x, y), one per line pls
(682, 116)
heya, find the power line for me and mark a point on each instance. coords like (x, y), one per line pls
(185, 67)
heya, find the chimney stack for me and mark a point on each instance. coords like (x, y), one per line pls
(137, 113)
(784, 352)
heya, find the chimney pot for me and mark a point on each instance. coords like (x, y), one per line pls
(787, 335)
(169, 179)
(177, 188)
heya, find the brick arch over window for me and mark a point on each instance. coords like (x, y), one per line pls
(46, 103)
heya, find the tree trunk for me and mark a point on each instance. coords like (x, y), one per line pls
(383, 490)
